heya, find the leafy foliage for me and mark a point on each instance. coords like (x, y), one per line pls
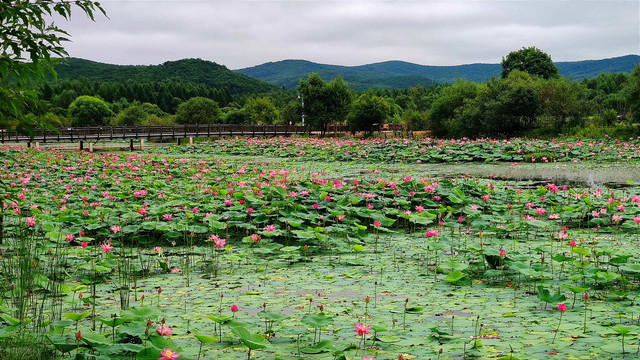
(530, 60)
(198, 110)
(89, 111)
(28, 45)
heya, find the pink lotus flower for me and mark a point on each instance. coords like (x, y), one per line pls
(636, 220)
(433, 232)
(362, 329)
(616, 218)
(218, 242)
(31, 221)
(256, 237)
(250, 210)
(157, 249)
(116, 229)
(70, 237)
(562, 308)
(370, 358)
(106, 247)
(175, 270)
(164, 330)
(377, 223)
(270, 228)
(503, 253)
(167, 217)
(234, 308)
(84, 244)
(168, 354)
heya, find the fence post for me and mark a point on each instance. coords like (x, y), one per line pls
(190, 140)
(81, 145)
(90, 147)
(37, 145)
(130, 144)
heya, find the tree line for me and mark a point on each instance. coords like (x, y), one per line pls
(529, 95)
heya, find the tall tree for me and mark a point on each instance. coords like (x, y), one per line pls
(324, 103)
(89, 111)
(27, 48)
(530, 60)
(261, 111)
(198, 110)
(632, 92)
(366, 111)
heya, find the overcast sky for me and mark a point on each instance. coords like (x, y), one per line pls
(240, 33)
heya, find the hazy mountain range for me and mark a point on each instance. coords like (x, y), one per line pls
(287, 73)
(400, 74)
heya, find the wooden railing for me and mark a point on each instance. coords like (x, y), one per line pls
(170, 132)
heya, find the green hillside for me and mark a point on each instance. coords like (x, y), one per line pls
(195, 71)
(400, 74)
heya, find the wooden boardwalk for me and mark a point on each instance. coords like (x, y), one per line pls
(170, 132)
(156, 132)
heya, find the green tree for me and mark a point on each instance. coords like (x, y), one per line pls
(89, 111)
(449, 104)
(291, 113)
(64, 99)
(510, 105)
(27, 48)
(261, 111)
(237, 116)
(198, 110)
(632, 92)
(131, 116)
(563, 102)
(366, 111)
(530, 60)
(324, 103)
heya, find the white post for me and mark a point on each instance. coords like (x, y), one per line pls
(190, 140)
(141, 144)
(90, 147)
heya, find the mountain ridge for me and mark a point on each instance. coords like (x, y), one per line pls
(195, 71)
(288, 72)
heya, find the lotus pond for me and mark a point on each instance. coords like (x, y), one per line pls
(200, 253)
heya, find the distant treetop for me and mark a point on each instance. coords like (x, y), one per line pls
(530, 60)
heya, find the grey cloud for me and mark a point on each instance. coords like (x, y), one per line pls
(247, 33)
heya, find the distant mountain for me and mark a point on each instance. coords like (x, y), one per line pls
(400, 74)
(187, 70)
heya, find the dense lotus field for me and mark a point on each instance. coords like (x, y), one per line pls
(423, 150)
(160, 256)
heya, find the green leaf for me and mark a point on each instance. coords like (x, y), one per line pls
(95, 340)
(205, 339)
(76, 316)
(316, 320)
(252, 341)
(455, 275)
(324, 345)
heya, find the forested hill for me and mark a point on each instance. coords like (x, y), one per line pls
(400, 74)
(195, 71)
